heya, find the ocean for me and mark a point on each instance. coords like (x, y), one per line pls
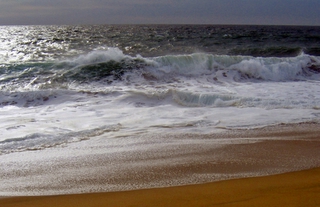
(82, 91)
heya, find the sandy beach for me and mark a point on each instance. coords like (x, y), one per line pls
(281, 169)
(290, 189)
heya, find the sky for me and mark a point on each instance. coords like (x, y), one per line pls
(258, 12)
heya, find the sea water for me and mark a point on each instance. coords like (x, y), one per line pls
(110, 85)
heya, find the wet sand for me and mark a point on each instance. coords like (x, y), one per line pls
(275, 158)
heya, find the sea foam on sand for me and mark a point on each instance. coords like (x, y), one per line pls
(101, 164)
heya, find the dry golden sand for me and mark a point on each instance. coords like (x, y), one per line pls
(290, 189)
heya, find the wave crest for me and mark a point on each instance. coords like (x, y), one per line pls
(113, 65)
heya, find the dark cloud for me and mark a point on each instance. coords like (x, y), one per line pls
(302, 12)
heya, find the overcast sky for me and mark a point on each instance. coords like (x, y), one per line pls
(283, 12)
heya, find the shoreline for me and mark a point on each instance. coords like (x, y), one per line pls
(301, 188)
(192, 159)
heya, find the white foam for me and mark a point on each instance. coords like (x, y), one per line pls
(275, 69)
(138, 109)
(99, 56)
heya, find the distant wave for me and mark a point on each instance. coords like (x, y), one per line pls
(279, 51)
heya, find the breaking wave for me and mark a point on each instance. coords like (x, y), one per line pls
(113, 65)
